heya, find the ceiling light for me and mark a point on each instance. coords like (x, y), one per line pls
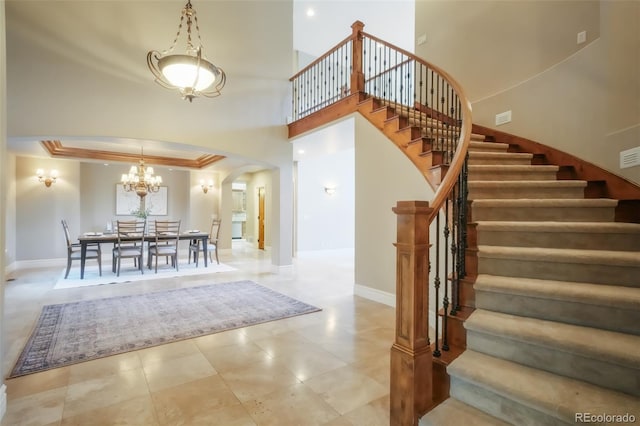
(141, 179)
(189, 73)
(310, 12)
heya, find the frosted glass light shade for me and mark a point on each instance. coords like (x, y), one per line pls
(183, 70)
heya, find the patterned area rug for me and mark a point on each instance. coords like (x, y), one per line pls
(81, 331)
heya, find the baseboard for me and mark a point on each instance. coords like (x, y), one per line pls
(3, 400)
(10, 268)
(40, 263)
(282, 269)
(375, 295)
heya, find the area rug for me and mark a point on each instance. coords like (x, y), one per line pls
(129, 274)
(69, 333)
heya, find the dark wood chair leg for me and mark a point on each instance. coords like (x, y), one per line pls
(68, 267)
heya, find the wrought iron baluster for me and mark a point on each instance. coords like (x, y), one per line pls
(455, 232)
(445, 300)
(436, 285)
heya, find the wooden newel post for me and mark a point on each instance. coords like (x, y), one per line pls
(411, 357)
(357, 73)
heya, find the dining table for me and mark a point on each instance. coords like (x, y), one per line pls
(102, 237)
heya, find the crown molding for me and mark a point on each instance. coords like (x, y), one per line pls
(57, 150)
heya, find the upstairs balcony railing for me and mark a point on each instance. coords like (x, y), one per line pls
(434, 105)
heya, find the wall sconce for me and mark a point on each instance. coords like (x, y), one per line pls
(48, 180)
(331, 190)
(206, 186)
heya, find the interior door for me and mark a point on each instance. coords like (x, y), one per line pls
(261, 218)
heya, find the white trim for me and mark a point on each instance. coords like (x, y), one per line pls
(282, 269)
(40, 263)
(626, 129)
(375, 295)
(10, 267)
(533, 77)
(3, 400)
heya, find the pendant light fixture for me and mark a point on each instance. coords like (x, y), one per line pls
(189, 73)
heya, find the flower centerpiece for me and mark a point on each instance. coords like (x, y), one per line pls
(141, 212)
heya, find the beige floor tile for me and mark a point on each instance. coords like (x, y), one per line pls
(375, 413)
(104, 392)
(193, 402)
(235, 415)
(174, 371)
(218, 340)
(346, 389)
(104, 367)
(307, 360)
(338, 421)
(37, 382)
(37, 409)
(134, 412)
(168, 351)
(340, 353)
(257, 379)
(295, 405)
(377, 367)
(232, 357)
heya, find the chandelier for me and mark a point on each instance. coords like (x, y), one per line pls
(141, 179)
(190, 73)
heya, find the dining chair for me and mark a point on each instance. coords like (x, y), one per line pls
(212, 245)
(130, 243)
(74, 250)
(165, 243)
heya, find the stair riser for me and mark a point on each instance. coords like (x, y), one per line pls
(479, 193)
(560, 271)
(544, 213)
(577, 366)
(488, 147)
(570, 240)
(501, 407)
(511, 175)
(604, 317)
(507, 161)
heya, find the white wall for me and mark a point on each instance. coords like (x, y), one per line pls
(326, 157)
(583, 99)
(84, 195)
(3, 197)
(384, 176)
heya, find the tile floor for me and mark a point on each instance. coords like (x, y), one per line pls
(324, 368)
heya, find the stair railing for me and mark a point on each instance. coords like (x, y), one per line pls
(434, 105)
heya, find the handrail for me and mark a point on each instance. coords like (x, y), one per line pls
(321, 58)
(432, 105)
(450, 179)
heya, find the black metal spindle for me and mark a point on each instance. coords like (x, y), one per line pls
(436, 284)
(445, 300)
(455, 232)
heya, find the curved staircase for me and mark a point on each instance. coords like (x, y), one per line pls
(555, 335)
(538, 315)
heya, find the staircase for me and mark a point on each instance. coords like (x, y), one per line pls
(538, 301)
(556, 327)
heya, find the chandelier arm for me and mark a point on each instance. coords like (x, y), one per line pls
(175, 40)
(155, 70)
(215, 92)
